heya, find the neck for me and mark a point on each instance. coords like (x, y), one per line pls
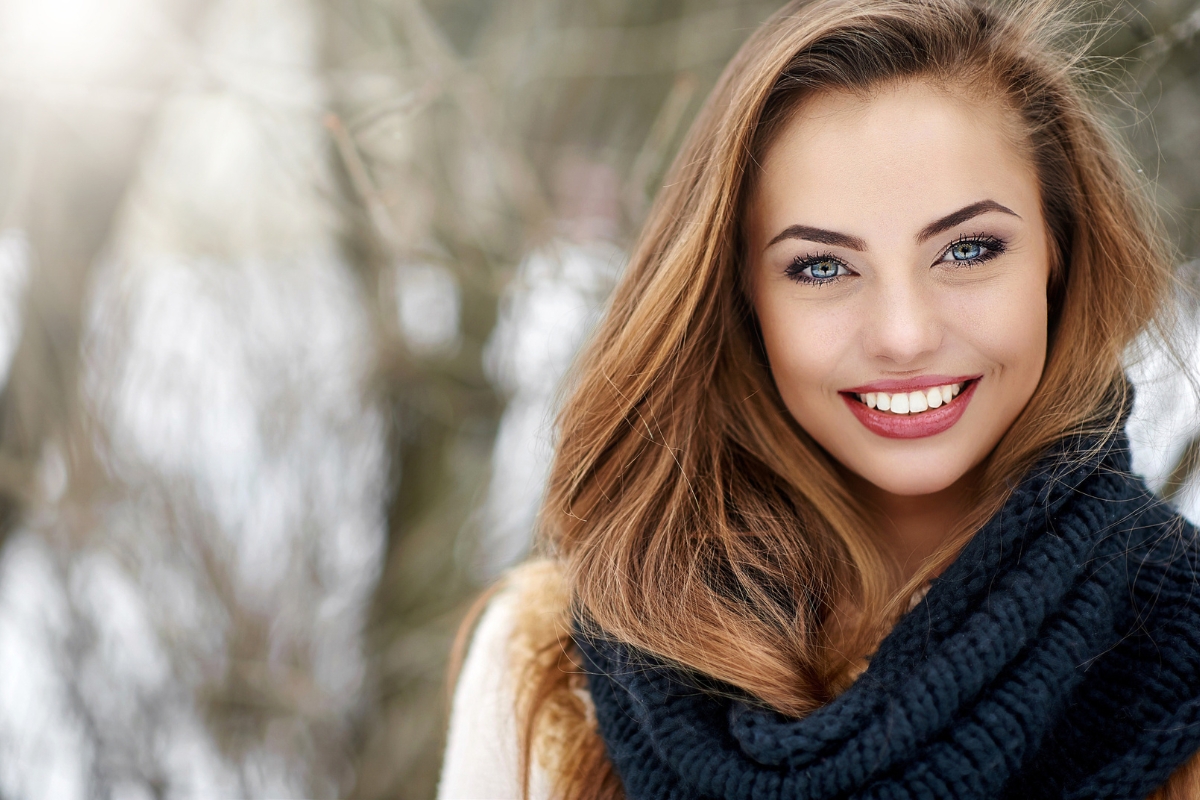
(914, 527)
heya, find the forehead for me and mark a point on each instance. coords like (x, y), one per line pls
(891, 159)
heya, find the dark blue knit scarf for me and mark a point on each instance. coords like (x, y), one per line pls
(1057, 657)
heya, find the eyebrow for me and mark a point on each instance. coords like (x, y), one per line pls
(962, 215)
(822, 236)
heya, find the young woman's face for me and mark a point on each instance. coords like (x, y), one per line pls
(899, 266)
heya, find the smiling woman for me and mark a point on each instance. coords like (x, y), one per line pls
(894, 289)
(842, 503)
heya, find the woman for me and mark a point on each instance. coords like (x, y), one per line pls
(841, 505)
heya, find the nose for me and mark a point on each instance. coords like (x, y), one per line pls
(901, 324)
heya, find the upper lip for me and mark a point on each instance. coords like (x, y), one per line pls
(893, 385)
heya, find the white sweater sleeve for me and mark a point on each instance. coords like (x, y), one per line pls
(481, 761)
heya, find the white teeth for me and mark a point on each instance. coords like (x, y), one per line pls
(912, 402)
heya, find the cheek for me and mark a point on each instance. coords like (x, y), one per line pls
(805, 346)
(1006, 323)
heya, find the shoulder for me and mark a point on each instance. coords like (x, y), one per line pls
(541, 607)
(481, 757)
(1156, 553)
(1146, 557)
(483, 744)
(1135, 523)
(1158, 539)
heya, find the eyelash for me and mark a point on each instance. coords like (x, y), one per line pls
(992, 245)
(795, 270)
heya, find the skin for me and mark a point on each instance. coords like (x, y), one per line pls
(881, 168)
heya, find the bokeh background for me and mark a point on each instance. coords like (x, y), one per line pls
(286, 287)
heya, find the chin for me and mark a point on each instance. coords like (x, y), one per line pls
(912, 480)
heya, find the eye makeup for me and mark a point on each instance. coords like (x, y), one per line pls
(969, 251)
(820, 269)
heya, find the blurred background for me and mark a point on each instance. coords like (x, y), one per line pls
(286, 287)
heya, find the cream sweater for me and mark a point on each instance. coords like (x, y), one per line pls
(481, 760)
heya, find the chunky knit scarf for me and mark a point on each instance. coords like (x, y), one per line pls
(1057, 657)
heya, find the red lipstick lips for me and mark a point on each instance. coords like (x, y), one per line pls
(911, 426)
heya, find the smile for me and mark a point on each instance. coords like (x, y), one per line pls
(911, 402)
(912, 411)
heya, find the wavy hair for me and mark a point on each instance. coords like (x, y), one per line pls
(690, 514)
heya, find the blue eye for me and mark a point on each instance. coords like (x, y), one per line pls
(825, 268)
(817, 269)
(966, 251)
(973, 250)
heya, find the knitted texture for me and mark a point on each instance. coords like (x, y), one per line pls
(1057, 657)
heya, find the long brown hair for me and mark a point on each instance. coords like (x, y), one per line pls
(690, 514)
